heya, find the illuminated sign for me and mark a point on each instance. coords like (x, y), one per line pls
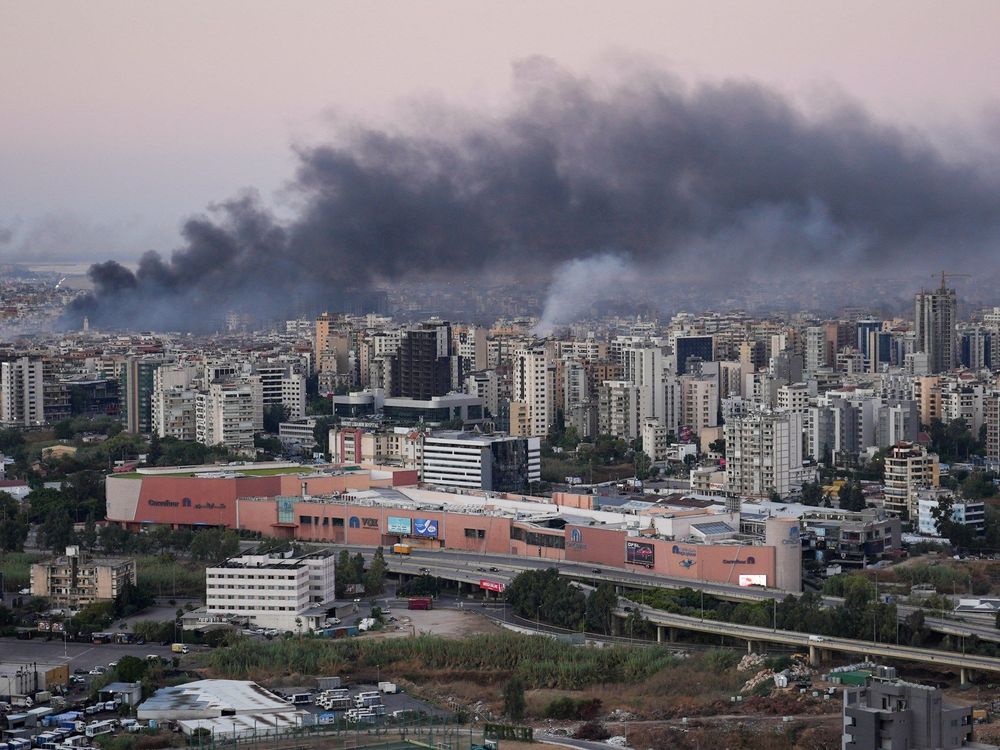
(639, 553)
(398, 525)
(425, 527)
(753, 580)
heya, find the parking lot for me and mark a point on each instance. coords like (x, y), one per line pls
(79, 655)
(392, 702)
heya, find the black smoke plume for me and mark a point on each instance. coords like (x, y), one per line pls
(728, 180)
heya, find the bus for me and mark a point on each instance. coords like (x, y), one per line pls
(99, 727)
(99, 638)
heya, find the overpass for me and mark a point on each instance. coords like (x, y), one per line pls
(817, 645)
(470, 568)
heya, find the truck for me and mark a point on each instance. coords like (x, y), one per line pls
(179, 648)
(419, 602)
(388, 687)
(401, 549)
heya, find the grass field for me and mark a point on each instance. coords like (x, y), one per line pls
(222, 467)
(16, 569)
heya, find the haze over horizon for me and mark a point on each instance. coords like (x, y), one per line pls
(124, 120)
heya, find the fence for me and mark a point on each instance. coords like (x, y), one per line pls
(422, 733)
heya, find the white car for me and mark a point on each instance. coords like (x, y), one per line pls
(333, 620)
(98, 670)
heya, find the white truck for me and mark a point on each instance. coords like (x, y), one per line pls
(388, 688)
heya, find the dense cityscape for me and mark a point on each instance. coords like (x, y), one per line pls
(494, 376)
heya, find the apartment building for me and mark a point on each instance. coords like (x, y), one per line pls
(908, 468)
(74, 580)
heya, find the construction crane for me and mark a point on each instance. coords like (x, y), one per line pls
(945, 276)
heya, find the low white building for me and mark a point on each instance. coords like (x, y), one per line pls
(209, 699)
(498, 462)
(965, 512)
(272, 591)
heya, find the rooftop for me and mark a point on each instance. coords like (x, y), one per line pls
(239, 696)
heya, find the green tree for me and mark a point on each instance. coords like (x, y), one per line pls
(56, 531)
(274, 415)
(514, 703)
(851, 496)
(600, 605)
(718, 446)
(812, 493)
(130, 668)
(374, 579)
(643, 465)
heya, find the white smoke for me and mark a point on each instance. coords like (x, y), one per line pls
(578, 284)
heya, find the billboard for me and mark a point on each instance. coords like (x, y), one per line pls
(753, 579)
(425, 527)
(491, 585)
(398, 525)
(639, 553)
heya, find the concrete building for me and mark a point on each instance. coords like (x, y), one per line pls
(654, 439)
(699, 402)
(74, 580)
(137, 377)
(229, 413)
(897, 714)
(764, 454)
(422, 364)
(971, 513)
(618, 409)
(174, 412)
(686, 347)
(935, 319)
(908, 468)
(485, 385)
(22, 392)
(298, 432)
(533, 390)
(496, 463)
(282, 592)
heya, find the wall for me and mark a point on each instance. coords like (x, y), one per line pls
(194, 500)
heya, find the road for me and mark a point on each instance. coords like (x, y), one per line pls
(815, 643)
(471, 567)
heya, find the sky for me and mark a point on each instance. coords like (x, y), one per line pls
(119, 120)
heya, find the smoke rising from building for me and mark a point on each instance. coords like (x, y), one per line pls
(731, 178)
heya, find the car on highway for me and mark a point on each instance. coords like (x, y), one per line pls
(422, 570)
(595, 570)
(494, 570)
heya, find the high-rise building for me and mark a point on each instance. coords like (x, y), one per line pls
(618, 409)
(763, 453)
(643, 366)
(22, 392)
(532, 393)
(686, 347)
(229, 413)
(935, 327)
(908, 468)
(138, 382)
(422, 366)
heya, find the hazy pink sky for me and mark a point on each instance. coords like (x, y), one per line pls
(119, 118)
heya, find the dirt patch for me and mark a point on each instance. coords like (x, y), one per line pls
(448, 623)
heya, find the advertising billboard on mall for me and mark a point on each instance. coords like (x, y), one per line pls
(639, 553)
(398, 525)
(425, 527)
(750, 579)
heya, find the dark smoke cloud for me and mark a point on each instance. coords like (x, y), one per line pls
(729, 178)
